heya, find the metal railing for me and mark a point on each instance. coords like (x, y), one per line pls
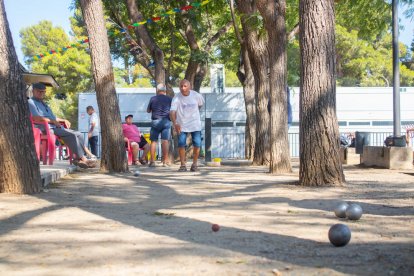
(229, 143)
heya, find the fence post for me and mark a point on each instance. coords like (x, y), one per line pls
(207, 125)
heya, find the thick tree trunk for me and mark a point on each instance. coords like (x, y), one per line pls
(141, 31)
(19, 167)
(273, 13)
(245, 75)
(113, 147)
(256, 46)
(320, 162)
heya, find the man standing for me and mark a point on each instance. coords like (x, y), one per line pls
(159, 106)
(185, 116)
(133, 135)
(93, 132)
(73, 139)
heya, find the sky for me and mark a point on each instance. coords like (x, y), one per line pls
(25, 13)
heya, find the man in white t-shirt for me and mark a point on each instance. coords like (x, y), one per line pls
(185, 116)
(94, 129)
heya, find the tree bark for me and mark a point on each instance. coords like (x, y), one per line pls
(320, 162)
(246, 78)
(141, 31)
(245, 75)
(256, 46)
(113, 146)
(273, 13)
(19, 167)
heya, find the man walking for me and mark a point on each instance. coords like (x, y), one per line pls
(159, 106)
(93, 132)
(185, 116)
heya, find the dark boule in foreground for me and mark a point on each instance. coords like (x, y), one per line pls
(339, 234)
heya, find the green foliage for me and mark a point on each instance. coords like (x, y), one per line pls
(205, 21)
(293, 54)
(41, 38)
(370, 18)
(232, 80)
(363, 44)
(364, 63)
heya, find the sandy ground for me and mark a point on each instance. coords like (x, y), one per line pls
(160, 224)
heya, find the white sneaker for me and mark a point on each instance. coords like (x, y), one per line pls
(91, 157)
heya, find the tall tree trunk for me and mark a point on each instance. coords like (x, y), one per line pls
(320, 162)
(256, 46)
(246, 78)
(273, 13)
(245, 75)
(113, 146)
(141, 31)
(19, 167)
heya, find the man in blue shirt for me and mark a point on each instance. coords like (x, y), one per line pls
(159, 106)
(73, 139)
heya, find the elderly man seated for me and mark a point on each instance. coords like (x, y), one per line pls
(41, 112)
(133, 135)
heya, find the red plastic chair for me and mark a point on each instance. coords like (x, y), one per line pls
(129, 151)
(37, 138)
(48, 141)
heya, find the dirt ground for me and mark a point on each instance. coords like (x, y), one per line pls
(159, 223)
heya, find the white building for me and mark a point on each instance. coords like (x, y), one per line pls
(358, 109)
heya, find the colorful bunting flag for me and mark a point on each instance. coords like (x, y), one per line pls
(166, 14)
(59, 50)
(123, 31)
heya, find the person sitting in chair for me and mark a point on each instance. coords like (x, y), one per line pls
(41, 112)
(133, 135)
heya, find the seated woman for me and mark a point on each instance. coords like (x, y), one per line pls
(133, 135)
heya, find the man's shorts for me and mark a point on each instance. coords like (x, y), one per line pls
(195, 136)
(141, 143)
(162, 126)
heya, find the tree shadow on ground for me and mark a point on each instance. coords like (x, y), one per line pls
(139, 199)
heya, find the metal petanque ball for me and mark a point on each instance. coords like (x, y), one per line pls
(354, 212)
(340, 210)
(339, 234)
(137, 173)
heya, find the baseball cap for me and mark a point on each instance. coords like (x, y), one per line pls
(130, 115)
(39, 85)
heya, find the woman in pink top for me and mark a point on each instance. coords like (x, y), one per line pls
(133, 135)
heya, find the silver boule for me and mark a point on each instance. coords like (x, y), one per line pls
(340, 210)
(354, 212)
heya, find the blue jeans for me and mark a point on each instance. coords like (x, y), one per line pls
(195, 136)
(162, 126)
(93, 143)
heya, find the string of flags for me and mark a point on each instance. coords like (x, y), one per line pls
(124, 31)
(63, 49)
(163, 15)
